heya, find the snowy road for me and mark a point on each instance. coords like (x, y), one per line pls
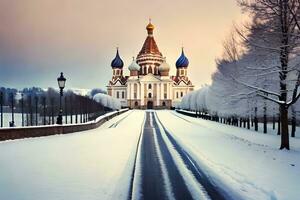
(150, 155)
(165, 170)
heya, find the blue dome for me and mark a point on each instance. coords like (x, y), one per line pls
(117, 62)
(182, 61)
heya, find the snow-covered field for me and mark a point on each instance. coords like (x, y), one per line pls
(95, 164)
(247, 164)
(98, 164)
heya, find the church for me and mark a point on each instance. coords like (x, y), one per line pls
(149, 85)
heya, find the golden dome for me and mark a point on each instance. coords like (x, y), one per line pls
(150, 28)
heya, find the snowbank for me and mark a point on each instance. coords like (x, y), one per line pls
(246, 164)
(95, 164)
(107, 101)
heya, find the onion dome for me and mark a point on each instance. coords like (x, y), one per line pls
(182, 61)
(150, 28)
(117, 62)
(164, 67)
(134, 66)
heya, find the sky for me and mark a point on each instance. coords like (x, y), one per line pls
(41, 38)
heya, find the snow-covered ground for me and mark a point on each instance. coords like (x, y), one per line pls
(95, 164)
(246, 164)
(98, 164)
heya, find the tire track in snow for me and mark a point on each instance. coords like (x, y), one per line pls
(210, 188)
(133, 180)
(157, 176)
(114, 125)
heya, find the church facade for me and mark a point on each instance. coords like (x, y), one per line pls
(149, 85)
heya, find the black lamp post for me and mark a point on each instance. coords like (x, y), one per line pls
(61, 84)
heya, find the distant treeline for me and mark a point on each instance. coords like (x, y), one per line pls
(39, 92)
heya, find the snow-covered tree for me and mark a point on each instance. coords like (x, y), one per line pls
(276, 25)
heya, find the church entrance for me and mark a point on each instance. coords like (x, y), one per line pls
(150, 105)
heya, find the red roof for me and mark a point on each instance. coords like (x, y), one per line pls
(150, 46)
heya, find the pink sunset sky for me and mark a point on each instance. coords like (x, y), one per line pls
(40, 38)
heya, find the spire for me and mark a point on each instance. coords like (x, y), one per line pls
(149, 45)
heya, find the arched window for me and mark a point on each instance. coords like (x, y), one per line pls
(145, 70)
(156, 70)
(150, 70)
(149, 86)
(135, 91)
(118, 94)
(149, 95)
(182, 72)
(181, 94)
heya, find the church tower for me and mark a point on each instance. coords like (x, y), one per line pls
(182, 64)
(117, 66)
(149, 58)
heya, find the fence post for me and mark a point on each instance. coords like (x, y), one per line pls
(66, 112)
(44, 109)
(36, 109)
(1, 107)
(71, 109)
(22, 108)
(12, 123)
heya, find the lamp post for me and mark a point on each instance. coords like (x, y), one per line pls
(61, 84)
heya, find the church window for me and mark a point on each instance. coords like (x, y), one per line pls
(149, 95)
(123, 95)
(118, 95)
(182, 72)
(134, 95)
(149, 86)
(177, 96)
(165, 95)
(165, 87)
(181, 94)
(145, 70)
(150, 70)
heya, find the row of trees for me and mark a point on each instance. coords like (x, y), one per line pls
(35, 102)
(258, 73)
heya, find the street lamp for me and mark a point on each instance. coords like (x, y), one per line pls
(61, 84)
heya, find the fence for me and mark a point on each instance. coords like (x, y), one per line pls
(38, 131)
(34, 110)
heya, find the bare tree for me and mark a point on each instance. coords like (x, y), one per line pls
(277, 24)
